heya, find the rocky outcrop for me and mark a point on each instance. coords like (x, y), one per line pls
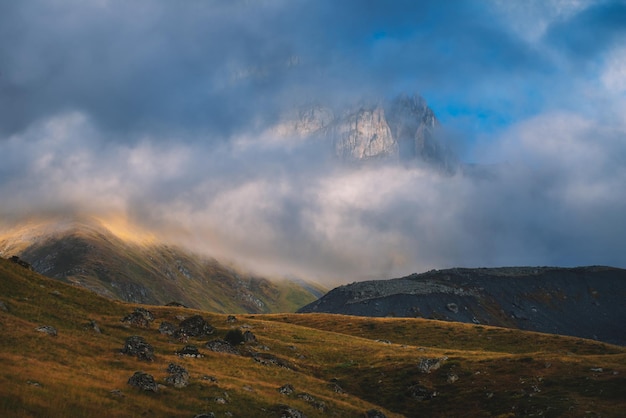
(581, 302)
(47, 329)
(140, 318)
(137, 346)
(403, 128)
(143, 381)
(178, 376)
(364, 135)
(194, 326)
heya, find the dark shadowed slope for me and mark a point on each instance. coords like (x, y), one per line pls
(587, 302)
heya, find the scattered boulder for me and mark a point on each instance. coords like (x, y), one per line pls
(285, 411)
(221, 346)
(231, 319)
(320, 406)
(334, 386)
(452, 377)
(452, 307)
(137, 346)
(176, 305)
(194, 326)
(93, 325)
(427, 365)
(167, 328)
(249, 337)
(140, 317)
(189, 351)
(4, 307)
(143, 381)
(375, 413)
(420, 393)
(267, 359)
(179, 376)
(209, 415)
(286, 389)
(116, 393)
(47, 329)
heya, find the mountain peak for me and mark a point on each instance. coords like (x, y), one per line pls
(402, 128)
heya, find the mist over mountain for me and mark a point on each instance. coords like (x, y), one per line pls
(166, 115)
(402, 128)
(136, 267)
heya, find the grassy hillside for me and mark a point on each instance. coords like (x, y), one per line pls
(338, 365)
(87, 253)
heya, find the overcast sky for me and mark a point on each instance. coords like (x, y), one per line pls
(163, 111)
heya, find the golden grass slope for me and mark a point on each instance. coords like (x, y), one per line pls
(488, 371)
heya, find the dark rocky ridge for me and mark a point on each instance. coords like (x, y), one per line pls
(584, 302)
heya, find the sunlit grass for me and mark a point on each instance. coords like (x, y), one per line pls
(374, 360)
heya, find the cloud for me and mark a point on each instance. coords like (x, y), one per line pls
(164, 112)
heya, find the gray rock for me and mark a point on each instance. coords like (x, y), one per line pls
(452, 307)
(249, 337)
(140, 318)
(189, 351)
(209, 415)
(452, 377)
(93, 325)
(427, 365)
(178, 376)
(137, 346)
(375, 413)
(4, 307)
(420, 393)
(167, 328)
(221, 346)
(285, 411)
(231, 319)
(47, 329)
(194, 326)
(143, 381)
(286, 389)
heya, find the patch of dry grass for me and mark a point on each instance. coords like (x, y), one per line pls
(498, 372)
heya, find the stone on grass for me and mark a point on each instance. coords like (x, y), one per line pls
(47, 329)
(143, 381)
(140, 317)
(194, 326)
(136, 345)
(178, 376)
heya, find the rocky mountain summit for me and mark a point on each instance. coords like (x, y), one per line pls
(403, 128)
(585, 302)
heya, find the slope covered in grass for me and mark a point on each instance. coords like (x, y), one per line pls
(338, 366)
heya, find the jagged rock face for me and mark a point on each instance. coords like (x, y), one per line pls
(412, 125)
(402, 128)
(364, 135)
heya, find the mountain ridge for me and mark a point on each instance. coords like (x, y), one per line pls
(83, 251)
(581, 301)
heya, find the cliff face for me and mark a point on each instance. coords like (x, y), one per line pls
(583, 302)
(403, 129)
